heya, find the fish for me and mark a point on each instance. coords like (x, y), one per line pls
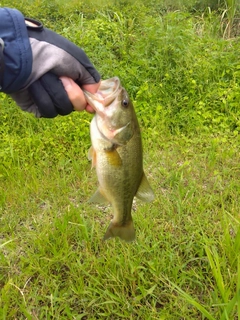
(117, 154)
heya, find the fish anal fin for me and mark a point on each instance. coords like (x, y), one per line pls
(145, 192)
(98, 197)
(125, 232)
(92, 155)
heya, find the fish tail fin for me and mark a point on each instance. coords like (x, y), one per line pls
(125, 232)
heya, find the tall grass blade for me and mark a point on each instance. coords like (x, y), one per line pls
(231, 7)
(228, 309)
(236, 245)
(215, 266)
(190, 300)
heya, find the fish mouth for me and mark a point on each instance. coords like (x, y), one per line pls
(107, 92)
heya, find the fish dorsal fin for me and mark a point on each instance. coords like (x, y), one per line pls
(92, 156)
(98, 197)
(145, 192)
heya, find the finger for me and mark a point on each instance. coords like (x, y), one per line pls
(50, 96)
(89, 109)
(75, 94)
(92, 88)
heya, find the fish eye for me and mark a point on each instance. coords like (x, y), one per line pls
(125, 103)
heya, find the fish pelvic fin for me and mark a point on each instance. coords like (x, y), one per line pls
(125, 232)
(98, 197)
(92, 156)
(145, 192)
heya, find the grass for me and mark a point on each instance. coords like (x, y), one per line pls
(184, 81)
(229, 12)
(185, 260)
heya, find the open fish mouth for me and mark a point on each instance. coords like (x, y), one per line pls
(109, 89)
(107, 92)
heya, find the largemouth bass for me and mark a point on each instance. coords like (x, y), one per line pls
(117, 154)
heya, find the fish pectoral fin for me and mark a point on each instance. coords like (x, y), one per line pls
(145, 192)
(113, 157)
(92, 155)
(98, 197)
(125, 232)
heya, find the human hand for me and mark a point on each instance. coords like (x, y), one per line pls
(76, 95)
(76, 66)
(41, 91)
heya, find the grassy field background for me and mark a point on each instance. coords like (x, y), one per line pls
(179, 61)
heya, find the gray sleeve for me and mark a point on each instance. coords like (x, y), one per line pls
(24, 100)
(48, 57)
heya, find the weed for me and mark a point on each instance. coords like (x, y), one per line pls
(183, 78)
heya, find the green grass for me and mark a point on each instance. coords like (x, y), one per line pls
(184, 262)
(184, 81)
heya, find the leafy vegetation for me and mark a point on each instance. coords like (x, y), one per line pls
(179, 61)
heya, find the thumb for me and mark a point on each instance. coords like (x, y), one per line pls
(74, 93)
